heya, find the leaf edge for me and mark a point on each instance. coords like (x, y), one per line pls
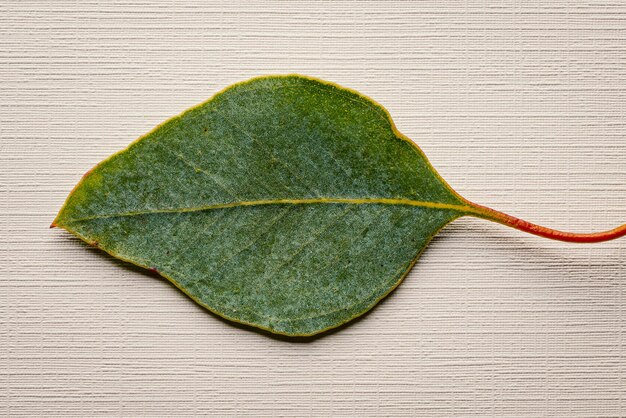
(163, 125)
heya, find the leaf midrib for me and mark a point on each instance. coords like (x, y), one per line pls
(319, 200)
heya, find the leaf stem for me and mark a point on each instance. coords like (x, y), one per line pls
(484, 212)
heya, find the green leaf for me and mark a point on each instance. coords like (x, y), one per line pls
(284, 202)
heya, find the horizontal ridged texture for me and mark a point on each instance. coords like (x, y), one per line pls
(519, 105)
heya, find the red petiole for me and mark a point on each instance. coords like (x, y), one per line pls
(513, 222)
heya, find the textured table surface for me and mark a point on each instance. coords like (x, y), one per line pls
(519, 105)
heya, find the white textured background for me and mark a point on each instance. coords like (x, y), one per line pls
(520, 105)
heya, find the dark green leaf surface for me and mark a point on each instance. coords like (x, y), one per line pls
(284, 202)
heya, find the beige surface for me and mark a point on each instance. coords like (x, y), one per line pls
(520, 105)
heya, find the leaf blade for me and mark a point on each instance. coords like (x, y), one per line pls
(275, 146)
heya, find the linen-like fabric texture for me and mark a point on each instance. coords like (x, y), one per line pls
(520, 106)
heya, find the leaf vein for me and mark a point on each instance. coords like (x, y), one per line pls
(262, 145)
(314, 236)
(321, 200)
(206, 173)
